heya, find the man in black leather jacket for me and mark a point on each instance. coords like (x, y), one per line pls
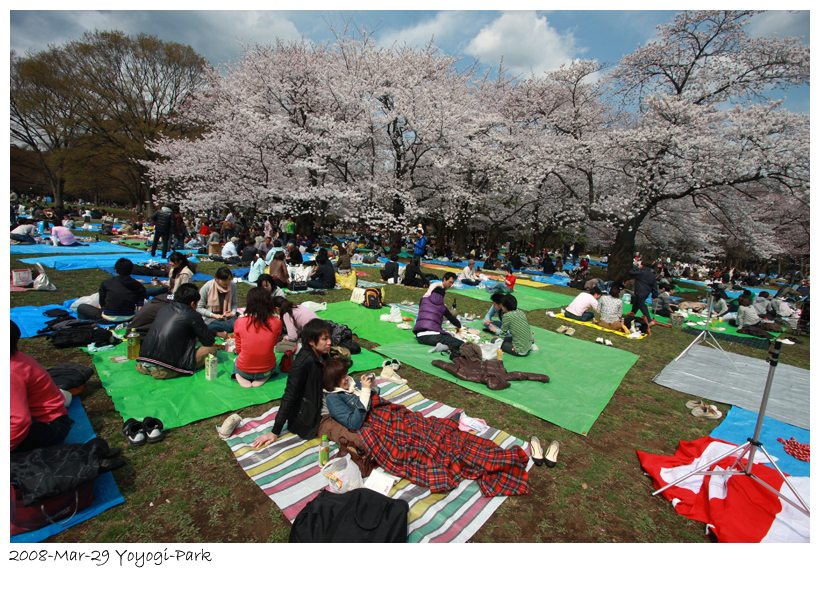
(169, 349)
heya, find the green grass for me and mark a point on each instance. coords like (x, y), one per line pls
(212, 500)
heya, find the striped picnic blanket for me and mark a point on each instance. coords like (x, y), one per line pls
(288, 473)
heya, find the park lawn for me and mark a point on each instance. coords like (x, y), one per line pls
(190, 489)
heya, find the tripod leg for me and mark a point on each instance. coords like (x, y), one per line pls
(700, 468)
(805, 508)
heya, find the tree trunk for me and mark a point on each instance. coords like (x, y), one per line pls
(620, 260)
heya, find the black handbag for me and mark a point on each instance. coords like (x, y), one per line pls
(298, 286)
(360, 515)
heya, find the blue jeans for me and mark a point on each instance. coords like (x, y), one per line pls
(21, 238)
(222, 325)
(585, 317)
(252, 376)
(318, 285)
(498, 287)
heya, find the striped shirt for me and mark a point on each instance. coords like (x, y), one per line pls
(516, 323)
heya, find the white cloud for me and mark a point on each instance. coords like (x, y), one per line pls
(781, 24)
(526, 41)
(446, 28)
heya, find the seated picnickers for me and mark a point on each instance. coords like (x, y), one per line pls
(37, 406)
(583, 306)
(218, 302)
(468, 276)
(637, 324)
(662, 305)
(746, 315)
(391, 269)
(256, 333)
(413, 276)
(323, 277)
(432, 311)
(119, 296)
(169, 349)
(611, 311)
(505, 286)
(515, 328)
(347, 399)
(496, 310)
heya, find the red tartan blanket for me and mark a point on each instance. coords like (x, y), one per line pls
(433, 452)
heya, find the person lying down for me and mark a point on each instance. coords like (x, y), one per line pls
(430, 452)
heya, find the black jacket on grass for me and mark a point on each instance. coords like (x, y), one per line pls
(303, 389)
(171, 340)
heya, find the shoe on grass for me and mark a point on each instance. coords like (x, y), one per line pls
(562, 329)
(607, 342)
(390, 374)
(228, 426)
(550, 314)
(551, 455)
(153, 430)
(536, 452)
(570, 331)
(599, 340)
(695, 404)
(134, 432)
(707, 412)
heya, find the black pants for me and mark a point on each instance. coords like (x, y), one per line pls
(166, 241)
(664, 313)
(640, 304)
(41, 435)
(453, 342)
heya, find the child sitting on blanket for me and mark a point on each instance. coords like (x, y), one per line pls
(346, 399)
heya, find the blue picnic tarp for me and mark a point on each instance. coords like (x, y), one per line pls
(80, 262)
(30, 319)
(739, 424)
(91, 248)
(106, 493)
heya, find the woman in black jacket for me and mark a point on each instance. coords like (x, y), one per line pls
(301, 405)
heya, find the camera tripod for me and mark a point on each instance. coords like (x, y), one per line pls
(706, 335)
(750, 447)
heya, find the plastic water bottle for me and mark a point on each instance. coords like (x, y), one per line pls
(324, 451)
(133, 344)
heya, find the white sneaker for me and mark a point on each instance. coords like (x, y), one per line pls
(599, 340)
(608, 342)
(550, 314)
(389, 374)
(534, 348)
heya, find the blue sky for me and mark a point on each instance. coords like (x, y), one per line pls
(527, 39)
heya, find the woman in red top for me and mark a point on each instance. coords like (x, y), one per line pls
(38, 414)
(256, 332)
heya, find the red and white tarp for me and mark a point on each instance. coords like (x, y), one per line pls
(736, 508)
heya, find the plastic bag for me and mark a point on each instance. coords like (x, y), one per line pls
(357, 297)
(348, 281)
(91, 300)
(42, 282)
(489, 351)
(342, 475)
(315, 306)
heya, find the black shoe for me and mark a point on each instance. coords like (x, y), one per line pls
(134, 432)
(112, 452)
(107, 465)
(153, 430)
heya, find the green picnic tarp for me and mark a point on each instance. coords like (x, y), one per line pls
(528, 298)
(365, 323)
(583, 377)
(183, 400)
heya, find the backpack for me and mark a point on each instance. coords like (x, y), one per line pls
(373, 298)
(80, 333)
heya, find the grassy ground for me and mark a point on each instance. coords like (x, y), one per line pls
(189, 488)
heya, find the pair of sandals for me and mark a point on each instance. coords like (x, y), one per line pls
(702, 410)
(565, 329)
(540, 457)
(147, 431)
(603, 341)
